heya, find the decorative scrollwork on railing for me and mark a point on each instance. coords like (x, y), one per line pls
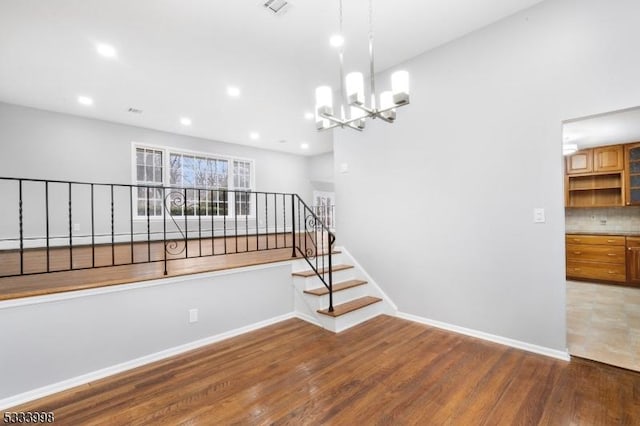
(175, 202)
(311, 229)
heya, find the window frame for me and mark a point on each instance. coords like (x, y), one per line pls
(166, 177)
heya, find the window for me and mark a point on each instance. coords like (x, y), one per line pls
(204, 181)
(149, 172)
(242, 182)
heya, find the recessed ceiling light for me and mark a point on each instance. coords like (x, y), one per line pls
(106, 50)
(233, 91)
(254, 135)
(309, 115)
(185, 121)
(336, 40)
(85, 100)
(282, 141)
(304, 145)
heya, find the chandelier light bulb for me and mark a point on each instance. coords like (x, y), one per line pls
(386, 100)
(355, 88)
(324, 97)
(400, 87)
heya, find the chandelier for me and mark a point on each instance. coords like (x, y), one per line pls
(352, 90)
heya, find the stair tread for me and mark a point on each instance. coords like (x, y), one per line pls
(311, 272)
(350, 306)
(321, 291)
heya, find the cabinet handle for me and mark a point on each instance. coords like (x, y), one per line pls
(611, 254)
(612, 272)
(610, 241)
(577, 252)
(577, 240)
(576, 269)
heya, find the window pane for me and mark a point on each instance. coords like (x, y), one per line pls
(139, 156)
(175, 171)
(157, 156)
(188, 178)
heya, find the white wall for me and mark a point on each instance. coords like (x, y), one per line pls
(46, 343)
(320, 169)
(438, 207)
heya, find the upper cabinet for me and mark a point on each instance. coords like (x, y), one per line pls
(608, 159)
(596, 160)
(632, 157)
(580, 162)
(595, 177)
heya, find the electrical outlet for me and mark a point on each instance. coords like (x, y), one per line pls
(193, 316)
(76, 226)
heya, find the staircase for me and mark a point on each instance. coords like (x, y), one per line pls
(355, 298)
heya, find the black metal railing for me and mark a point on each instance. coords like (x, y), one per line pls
(315, 244)
(43, 221)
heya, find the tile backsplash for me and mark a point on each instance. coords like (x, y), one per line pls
(603, 219)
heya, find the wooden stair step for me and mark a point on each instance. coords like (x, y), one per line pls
(351, 306)
(321, 291)
(311, 273)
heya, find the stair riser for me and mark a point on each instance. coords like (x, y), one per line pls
(352, 318)
(339, 297)
(302, 265)
(309, 283)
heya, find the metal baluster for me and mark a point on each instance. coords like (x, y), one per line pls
(275, 217)
(70, 232)
(284, 220)
(164, 229)
(20, 227)
(131, 222)
(330, 274)
(224, 219)
(148, 227)
(256, 223)
(93, 229)
(246, 221)
(213, 239)
(293, 226)
(46, 208)
(266, 217)
(235, 217)
(199, 225)
(113, 247)
(186, 225)
(300, 224)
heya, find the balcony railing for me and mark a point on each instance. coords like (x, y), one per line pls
(53, 226)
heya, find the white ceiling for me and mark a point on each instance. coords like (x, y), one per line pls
(616, 127)
(176, 57)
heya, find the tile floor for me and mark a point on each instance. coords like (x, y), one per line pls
(603, 323)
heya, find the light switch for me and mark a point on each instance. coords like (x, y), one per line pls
(193, 315)
(344, 168)
(538, 215)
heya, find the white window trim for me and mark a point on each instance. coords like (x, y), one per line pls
(165, 178)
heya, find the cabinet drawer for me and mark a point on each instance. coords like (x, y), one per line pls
(597, 271)
(595, 239)
(596, 253)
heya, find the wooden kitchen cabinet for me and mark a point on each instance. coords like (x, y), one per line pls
(579, 162)
(608, 159)
(633, 261)
(632, 166)
(596, 257)
(595, 177)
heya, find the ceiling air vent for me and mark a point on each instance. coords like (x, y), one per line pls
(135, 111)
(277, 7)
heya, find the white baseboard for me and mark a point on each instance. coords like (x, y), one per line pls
(34, 394)
(529, 347)
(307, 318)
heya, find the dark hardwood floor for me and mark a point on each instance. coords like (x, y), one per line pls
(386, 371)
